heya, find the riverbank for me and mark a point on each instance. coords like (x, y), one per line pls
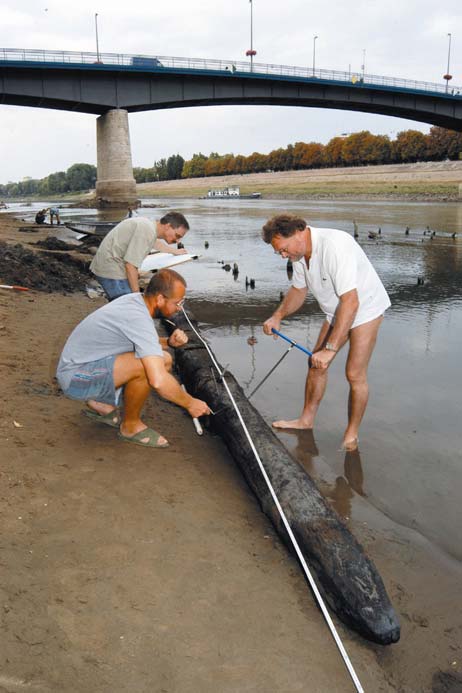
(430, 181)
(133, 570)
(425, 181)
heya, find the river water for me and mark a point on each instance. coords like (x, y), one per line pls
(409, 465)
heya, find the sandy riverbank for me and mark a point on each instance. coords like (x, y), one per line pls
(126, 569)
(430, 181)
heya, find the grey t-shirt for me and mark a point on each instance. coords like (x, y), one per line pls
(122, 326)
(130, 241)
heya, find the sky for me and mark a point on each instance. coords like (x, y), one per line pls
(402, 39)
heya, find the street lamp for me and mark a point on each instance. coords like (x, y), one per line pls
(250, 53)
(447, 76)
(363, 66)
(97, 43)
(314, 53)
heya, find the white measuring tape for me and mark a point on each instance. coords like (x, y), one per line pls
(298, 551)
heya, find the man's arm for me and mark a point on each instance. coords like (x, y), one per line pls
(293, 300)
(164, 247)
(344, 318)
(169, 388)
(132, 276)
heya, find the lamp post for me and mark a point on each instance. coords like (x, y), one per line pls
(314, 53)
(250, 53)
(97, 42)
(363, 66)
(448, 76)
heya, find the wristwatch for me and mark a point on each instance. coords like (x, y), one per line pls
(330, 347)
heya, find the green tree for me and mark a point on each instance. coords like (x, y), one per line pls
(80, 177)
(55, 182)
(195, 167)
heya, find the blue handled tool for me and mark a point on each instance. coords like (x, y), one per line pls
(292, 345)
(291, 341)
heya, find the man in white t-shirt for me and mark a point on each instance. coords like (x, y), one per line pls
(331, 265)
(124, 248)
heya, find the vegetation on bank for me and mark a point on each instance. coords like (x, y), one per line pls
(356, 149)
(293, 188)
(77, 178)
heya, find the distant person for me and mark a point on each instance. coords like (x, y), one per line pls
(123, 249)
(41, 216)
(54, 214)
(116, 348)
(131, 213)
(330, 264)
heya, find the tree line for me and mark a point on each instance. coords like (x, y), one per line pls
(78, 177)
(356, 149)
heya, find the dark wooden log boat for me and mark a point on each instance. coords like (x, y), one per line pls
(93, 228)
(347, 577)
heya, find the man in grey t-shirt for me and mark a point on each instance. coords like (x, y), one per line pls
(124, 248)
(117, 348)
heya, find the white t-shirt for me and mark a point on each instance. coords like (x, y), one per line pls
(337, 265)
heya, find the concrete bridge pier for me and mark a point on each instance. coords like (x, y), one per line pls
(115, 185)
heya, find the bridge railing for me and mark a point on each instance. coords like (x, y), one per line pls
(137, 62)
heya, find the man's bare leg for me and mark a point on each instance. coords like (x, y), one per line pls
(315, 386)
(129, 372)
(362, 342)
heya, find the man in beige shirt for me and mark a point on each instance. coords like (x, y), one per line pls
(123, 249)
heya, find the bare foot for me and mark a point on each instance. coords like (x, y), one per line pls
(350, 445)
(101, 407)
(295, 423)
(130, 432)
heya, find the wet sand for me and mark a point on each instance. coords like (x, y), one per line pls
(126, 569)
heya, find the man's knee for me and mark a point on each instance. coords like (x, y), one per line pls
(356, 376)
(168, 361)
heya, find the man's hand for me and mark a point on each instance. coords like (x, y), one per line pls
(198, 408)
(322, 359)
(272, 322)
(177, 338)
(179, 251)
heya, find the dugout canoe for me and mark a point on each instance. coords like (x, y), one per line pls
(347, 577)
(91, 228)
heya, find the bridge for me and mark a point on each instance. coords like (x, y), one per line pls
(111, 85)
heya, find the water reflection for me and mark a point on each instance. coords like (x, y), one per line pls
(341, 491)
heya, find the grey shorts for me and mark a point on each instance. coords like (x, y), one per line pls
(95, 380)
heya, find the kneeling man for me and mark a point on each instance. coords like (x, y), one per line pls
(330, 264)
(117, 349)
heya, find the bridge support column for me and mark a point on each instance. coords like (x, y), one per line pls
(115, 185)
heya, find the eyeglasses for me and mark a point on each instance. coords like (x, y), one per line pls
(178, 304)
(282, 250)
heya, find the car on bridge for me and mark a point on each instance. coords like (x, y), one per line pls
(142, 61)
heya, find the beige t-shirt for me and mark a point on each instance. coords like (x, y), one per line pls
(130, 241)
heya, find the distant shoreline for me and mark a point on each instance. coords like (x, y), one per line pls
(438, 181)
(420, 182)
